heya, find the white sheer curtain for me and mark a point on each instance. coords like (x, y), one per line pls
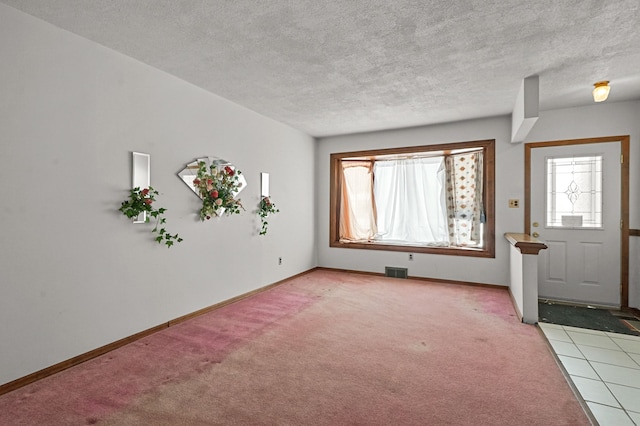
(410, 201)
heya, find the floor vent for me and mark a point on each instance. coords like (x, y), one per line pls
(396, 272)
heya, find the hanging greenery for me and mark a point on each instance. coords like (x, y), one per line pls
(266, 208)
(141, 201)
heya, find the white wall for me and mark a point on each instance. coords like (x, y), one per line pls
(462, 268)
(598, 120)
(75, 274)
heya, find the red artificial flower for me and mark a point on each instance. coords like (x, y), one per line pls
(145, 191)
(148, 201)
(196, 182)
(229, 170)
(214, 194)
(209, 182)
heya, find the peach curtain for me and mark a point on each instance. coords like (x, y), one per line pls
(357, 208)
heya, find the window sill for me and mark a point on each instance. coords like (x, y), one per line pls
(449, 251)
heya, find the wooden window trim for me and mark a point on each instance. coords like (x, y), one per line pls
(489, 199)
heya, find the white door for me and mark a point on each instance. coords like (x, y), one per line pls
(575, 209)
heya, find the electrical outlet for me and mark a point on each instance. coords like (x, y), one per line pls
(279, 261)
(514, 204)
(411, 256)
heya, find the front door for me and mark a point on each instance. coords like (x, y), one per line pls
(575, 210)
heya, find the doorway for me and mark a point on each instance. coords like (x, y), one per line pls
(587, 259)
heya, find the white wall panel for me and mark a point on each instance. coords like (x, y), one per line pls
(75, 274)
(557, 258)
(591, 263)
(592, 121)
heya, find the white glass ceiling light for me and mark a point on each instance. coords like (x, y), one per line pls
(601, 91)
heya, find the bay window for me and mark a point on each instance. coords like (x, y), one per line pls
(433, 199)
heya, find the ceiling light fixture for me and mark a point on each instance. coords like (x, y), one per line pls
(601, 91)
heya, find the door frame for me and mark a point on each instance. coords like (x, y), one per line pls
(624, 198)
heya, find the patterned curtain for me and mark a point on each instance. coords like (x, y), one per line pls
(465, 211)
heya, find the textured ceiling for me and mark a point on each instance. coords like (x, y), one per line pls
(335, 67)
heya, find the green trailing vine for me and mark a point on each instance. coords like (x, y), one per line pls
(265, 208)
(141, 200)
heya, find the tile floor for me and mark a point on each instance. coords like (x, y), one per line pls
(604, 367)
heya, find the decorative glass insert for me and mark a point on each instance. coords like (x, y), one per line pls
(574, 192)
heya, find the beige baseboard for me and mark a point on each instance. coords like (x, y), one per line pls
(434, 280)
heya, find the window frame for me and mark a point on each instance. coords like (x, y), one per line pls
(488, 149)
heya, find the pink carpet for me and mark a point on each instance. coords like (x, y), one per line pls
(326, 348)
